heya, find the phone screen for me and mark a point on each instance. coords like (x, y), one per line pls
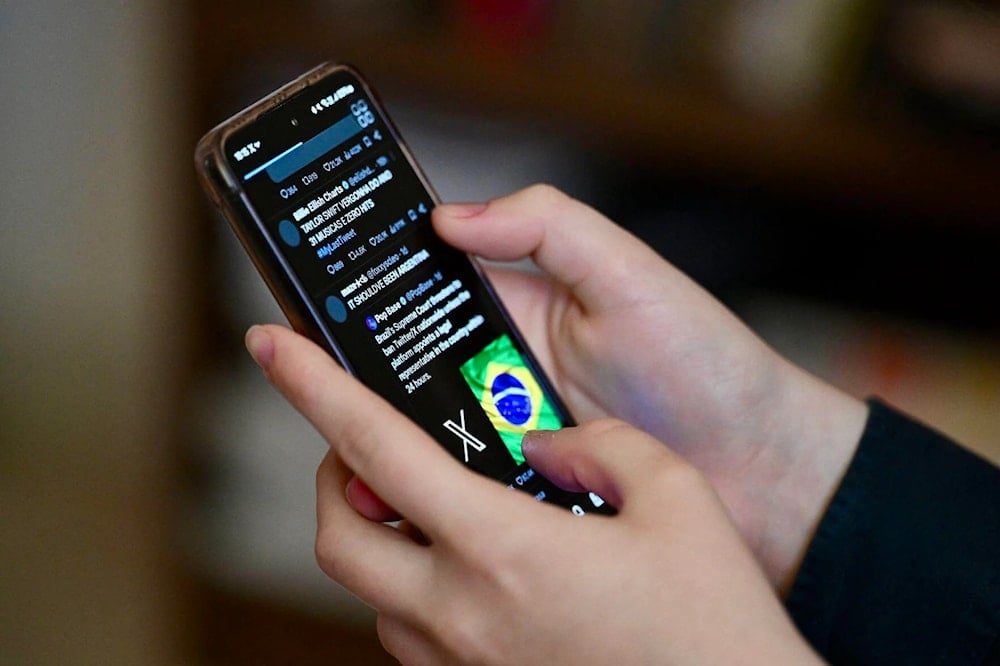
(333, 191)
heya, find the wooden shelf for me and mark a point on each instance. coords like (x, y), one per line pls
(841, 157)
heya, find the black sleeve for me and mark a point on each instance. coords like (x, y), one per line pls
(905, 565)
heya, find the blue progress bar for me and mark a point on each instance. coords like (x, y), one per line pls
(270, 162)
(300, 156)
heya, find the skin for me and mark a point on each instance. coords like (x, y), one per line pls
(708, 528)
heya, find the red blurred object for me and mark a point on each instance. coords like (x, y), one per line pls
(513, 26)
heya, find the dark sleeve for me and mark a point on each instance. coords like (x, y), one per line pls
(905, 565)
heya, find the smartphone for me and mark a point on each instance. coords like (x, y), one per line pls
(327, 200)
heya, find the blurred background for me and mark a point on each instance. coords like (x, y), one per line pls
(828, 168)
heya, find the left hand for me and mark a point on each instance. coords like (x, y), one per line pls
(483, 574)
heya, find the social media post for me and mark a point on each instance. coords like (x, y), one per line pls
(415, 306)
(421, 335)
(421, 321)
(455, 365)
(448, 347)
(421, 326)
(351, 219)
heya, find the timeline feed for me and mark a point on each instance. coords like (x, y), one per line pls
(349, 215)
(352, 222)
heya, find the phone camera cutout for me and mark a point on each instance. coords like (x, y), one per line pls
(295, 122)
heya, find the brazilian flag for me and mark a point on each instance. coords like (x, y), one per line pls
(509, 393)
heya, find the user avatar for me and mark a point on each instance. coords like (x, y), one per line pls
(336, 309)
(289, 233)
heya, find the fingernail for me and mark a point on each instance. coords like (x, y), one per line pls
(533, 439)
(350, 489)
(463, 210)
(260, 345)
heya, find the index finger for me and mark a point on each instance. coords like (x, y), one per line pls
(397, 459)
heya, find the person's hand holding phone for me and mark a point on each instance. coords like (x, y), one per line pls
(482, 574)
(622, 333)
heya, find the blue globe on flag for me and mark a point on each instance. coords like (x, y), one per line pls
(511, 398)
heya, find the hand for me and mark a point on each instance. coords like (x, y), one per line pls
(624, 334)
(492, 576)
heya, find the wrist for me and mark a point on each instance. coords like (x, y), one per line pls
(802, 440)
(819, 430)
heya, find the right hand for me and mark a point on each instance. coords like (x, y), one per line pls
(481, 574)
(622, 333)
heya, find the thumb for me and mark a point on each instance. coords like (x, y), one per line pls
(572, 243)
(609, 457)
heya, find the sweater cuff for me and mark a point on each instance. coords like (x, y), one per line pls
(905, 564)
